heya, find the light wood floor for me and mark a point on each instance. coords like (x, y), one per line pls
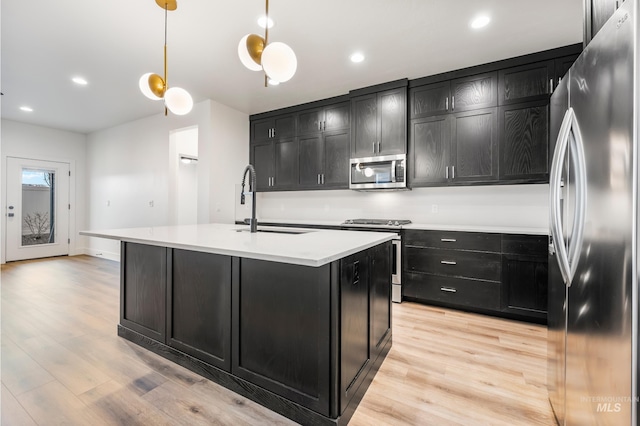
(62, 363)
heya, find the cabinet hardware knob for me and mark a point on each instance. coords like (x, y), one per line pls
(448, 289)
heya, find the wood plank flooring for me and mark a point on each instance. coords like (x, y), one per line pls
(62, 363)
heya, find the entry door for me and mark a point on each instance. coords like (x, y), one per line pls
(37, 209)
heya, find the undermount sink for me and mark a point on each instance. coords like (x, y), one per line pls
(277, 231)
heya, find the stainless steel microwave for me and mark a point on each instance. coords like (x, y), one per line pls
(384, 172)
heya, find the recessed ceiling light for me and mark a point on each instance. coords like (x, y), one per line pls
(262, 21)
(26, 109)
(480, 21)
(80, 81)
(357, 57)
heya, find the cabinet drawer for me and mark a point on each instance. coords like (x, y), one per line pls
(454, 263)
(454, 291)
(530, 245)
(453, 240)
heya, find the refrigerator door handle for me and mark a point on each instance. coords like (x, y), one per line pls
(576, 152)
(568, 257)
(555, 219)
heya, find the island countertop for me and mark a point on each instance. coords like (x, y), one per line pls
(315, 247)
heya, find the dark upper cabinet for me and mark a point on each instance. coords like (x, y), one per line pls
(379, 123)
(323, 144)
(597, 13)
(524, 141)
(474, 146)
(429, 154)
(285, 174)
(561, 67)
(280, 127)
(262, 158)
(474, 92)
(333, 117)
(529, 82)
(430, 99)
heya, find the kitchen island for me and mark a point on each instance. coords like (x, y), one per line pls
(296, 320)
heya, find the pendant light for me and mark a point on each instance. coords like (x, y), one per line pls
(176, 99)
(277, 60)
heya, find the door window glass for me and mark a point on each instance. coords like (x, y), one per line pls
(38, 206)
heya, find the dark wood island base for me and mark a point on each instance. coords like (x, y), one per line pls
(305, 342)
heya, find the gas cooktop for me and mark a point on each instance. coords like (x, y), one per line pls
(377, 222)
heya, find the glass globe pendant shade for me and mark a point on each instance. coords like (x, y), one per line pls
(245, 56)
(279, 61)
(145, 88)
(178, 101)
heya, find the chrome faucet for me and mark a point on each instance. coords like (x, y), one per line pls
(253, 223)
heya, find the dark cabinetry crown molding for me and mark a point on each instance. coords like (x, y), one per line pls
(573, 49)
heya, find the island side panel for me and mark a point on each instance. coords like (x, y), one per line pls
(381, 258)
(281, 330)
(199, 306)
(143, 284)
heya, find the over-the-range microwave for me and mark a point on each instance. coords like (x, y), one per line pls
(383, 172)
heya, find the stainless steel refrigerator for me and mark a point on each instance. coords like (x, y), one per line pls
(593, 247)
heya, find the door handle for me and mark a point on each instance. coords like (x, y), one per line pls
(446, 172)
(448, 289)
(448, 240)
(374, 147)
(448, 262)
(453, 103)
(453, 172)
(446, 104)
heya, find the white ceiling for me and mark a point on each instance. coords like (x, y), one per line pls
(111, 44)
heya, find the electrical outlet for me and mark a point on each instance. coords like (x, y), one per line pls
(434, 208)
(151, 203)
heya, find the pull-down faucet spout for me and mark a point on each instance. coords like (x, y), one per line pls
(253, 223)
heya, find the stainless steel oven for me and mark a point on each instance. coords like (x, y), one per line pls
(385, 225)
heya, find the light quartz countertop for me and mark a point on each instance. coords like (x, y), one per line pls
(313, 247)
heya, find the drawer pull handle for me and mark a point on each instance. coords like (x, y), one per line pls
(448, 240)
(448, 289)
(448, 262)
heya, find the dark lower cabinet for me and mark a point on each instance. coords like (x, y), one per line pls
(199, 306)
(354, 320)
(303, 341)
(143, 285)
(525, 276)
(498, 274)
(281, 333)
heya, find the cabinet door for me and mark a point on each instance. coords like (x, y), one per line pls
(262, 158)
(380, 292)
(474, 146)
(286, 164)
(311, 160)
(477, 91)
(336, 117)
(199, 304)
(284, 127)
(392, 121)
(429, 150)
(261, 130)
(354, 324)
(310, 121)
(143, 289)
(430, 99)
(336, 159)
(529, 82)
(364, 128)
(561, 67)
(525, 285)
(524, 142)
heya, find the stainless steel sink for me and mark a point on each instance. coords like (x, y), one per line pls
(277, 231)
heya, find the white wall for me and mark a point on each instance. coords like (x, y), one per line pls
(500, 205)
(129, 170)
(42, 143)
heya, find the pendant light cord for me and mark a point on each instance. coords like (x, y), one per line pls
(266, 36)
(166, 6)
